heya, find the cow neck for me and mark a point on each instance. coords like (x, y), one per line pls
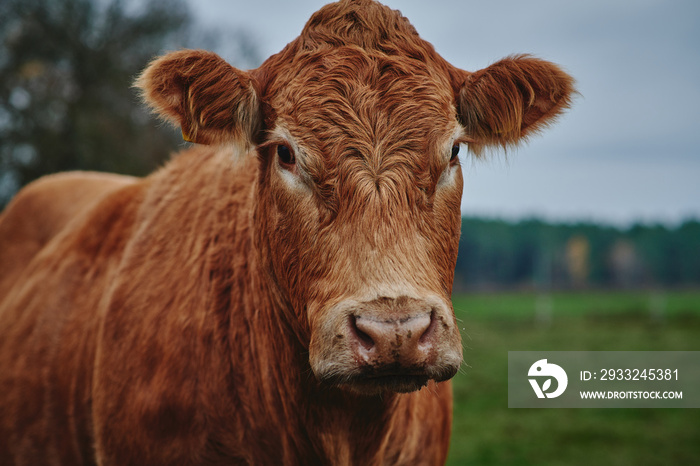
(334, 422)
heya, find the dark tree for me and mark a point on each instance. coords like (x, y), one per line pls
(497, 254)
(66, 102)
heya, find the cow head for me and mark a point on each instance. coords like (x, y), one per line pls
(357, 125)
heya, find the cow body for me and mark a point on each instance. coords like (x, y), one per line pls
(96, 343)
(280, 296)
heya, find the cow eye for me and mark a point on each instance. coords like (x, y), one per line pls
(455, 153)
(286, 156)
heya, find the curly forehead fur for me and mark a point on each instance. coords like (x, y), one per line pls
(377, 97)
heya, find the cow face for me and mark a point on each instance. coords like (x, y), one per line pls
(357, 125)
(363, 156)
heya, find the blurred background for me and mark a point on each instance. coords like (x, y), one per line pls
(586, 238)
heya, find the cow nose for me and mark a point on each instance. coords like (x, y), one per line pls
(391, 344)
(406, 340)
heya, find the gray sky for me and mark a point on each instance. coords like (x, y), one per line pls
(629, 150)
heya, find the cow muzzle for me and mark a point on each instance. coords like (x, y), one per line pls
(387, 344)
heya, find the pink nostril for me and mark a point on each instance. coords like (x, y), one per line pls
(362, 337)
(429, 330)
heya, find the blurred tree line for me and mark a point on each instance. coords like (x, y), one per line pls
(533, 254)
(66, 69)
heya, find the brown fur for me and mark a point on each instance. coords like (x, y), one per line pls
(203, 315)
(511, 99)
(186, 87)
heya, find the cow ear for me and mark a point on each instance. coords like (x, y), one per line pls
(210, 100)
(511, 99)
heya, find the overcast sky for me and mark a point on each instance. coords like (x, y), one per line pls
(629, 150)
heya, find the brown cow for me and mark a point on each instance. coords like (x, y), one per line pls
(278, 296)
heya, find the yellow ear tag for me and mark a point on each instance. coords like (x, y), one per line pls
(186, 137)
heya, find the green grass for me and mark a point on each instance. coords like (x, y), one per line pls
(524, 305)
(487, 432)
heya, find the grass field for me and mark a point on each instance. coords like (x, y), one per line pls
(487, 432)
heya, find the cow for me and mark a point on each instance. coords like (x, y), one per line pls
(279, 292)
